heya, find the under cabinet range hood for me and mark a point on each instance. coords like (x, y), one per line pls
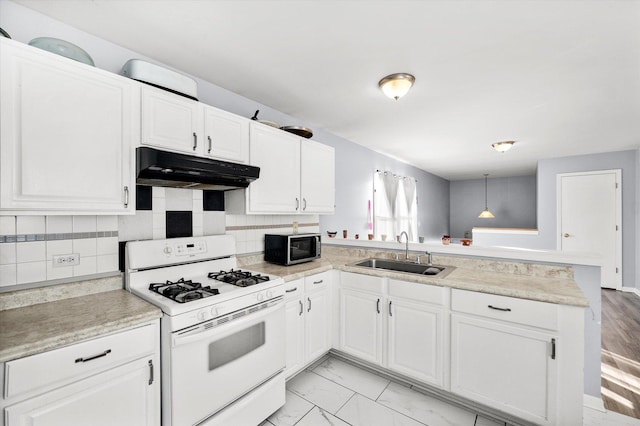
(163, 168)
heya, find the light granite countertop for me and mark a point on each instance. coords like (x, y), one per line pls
(28, 330)
(545, 283)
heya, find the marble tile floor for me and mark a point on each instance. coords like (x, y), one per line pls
(334, 392)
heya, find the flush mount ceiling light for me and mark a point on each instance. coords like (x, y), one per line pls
(485, 214)
(396, 85)
(503, 147)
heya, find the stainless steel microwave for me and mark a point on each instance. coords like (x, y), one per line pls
(289, 249)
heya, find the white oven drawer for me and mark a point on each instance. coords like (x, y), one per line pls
(77, 360)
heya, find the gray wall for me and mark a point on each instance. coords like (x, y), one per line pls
(512, 200)
(355, 164)
(355, 167)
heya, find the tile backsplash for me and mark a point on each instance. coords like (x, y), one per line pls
(29, 243)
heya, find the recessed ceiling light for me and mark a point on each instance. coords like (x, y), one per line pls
(396, 85)
(503, 147)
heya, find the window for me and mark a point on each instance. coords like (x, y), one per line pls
(395, 206)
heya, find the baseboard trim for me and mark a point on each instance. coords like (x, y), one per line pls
(594, 403)
(631, 290)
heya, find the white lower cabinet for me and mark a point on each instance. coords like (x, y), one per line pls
(308, 321)
(110, 380)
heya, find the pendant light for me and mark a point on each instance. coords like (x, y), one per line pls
(396, 85)
(485, 214)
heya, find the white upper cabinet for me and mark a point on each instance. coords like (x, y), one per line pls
(180, 124)
(317, 177)
(66, 135)
(277, 153)
(297, 175)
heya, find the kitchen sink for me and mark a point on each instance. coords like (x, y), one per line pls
(404, 266)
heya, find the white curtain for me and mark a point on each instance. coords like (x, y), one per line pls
(395, 206)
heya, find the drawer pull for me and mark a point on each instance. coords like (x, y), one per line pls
(291, 290)
(499, 309)
(90, 358)
(318, 282)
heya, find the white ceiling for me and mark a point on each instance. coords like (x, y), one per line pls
(559, 77)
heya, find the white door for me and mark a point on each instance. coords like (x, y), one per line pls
(294, 313)
(318, 175)
(316, 324)
(226, 135)
(361, 325)
(415, 340)
(171, 121)
(277, 153)
(589, 219)
(66, 134)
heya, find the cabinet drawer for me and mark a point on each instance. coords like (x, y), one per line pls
(78, 360)
(521, 311)
(293, 289)
(417, 291)
(362, 282)
(317, 282)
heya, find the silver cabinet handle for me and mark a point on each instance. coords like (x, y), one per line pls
(378, 306)
(291, 290)
(150, 372)
(210, 145)
(318, 282)
(126, 196)
(309, 308)
(390, 314)
(301, 307)
(90, 358)
(499, 309)
(297, 204)
(553, 348)
(195, 141)
(566, 235)
(304, 204)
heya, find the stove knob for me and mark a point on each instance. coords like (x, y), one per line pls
(269, 294)
(167, 250)
(260, 297)
(214, 312)
(202, 315)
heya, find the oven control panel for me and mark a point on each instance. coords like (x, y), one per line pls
(185, 249)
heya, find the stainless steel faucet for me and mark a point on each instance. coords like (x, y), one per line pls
(406, 246)
(429, 258)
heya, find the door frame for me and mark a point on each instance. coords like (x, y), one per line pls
(618, 176)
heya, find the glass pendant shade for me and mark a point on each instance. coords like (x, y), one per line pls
(397, 85)
(485, 214)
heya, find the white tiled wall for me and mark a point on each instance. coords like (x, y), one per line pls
(29, 243)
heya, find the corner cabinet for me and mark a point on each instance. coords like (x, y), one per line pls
(110, 380)
(180, 124)
(66, 134)
(297, 175)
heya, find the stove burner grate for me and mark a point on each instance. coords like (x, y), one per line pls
(238, 278)
(183, 291)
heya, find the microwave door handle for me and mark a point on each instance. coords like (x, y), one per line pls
(317, 246)
(225, 329)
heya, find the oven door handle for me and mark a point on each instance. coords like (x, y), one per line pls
(220, 331)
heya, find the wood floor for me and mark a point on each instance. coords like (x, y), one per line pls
(621, 352)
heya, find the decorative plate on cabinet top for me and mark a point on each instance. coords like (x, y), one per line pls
(62, 48)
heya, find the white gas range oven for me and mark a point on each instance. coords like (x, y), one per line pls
(222, 332)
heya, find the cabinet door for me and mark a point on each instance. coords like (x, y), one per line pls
(66, 134)
(277, 153)
(171, 121)
(317, 177)
(503, 366)
(226, 135)
(122, 396)
(294, 313)
(317, 324)
(361, 325)
(415, 340)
